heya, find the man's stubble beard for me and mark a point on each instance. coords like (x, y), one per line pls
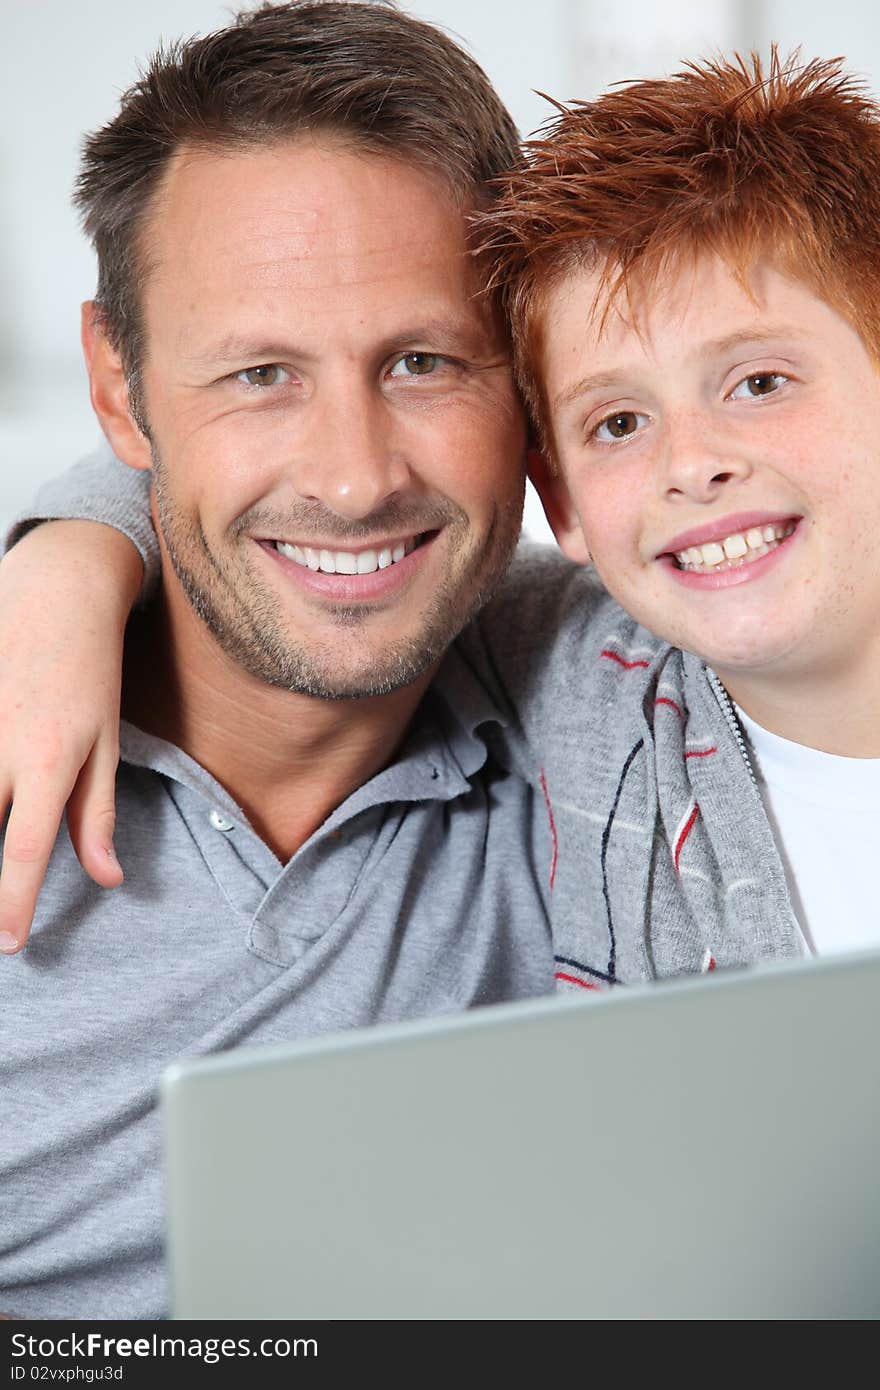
(246, 618)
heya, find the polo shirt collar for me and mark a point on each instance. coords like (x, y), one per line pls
(441, 752)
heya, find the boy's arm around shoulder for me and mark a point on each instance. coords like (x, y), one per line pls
(66, 590)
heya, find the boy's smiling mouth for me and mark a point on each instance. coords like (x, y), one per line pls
(740, 548)
(732, 543)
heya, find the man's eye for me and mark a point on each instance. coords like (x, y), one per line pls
(758, 384)
(415, 364)
(270, 374)
(620, 425)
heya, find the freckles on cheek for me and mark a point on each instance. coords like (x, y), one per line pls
(607, 522)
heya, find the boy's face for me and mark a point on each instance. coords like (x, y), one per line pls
(723, 469)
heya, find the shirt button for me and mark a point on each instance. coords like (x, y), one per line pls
(220, 822)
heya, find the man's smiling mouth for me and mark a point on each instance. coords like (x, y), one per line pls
(733, 551)
(367, 561)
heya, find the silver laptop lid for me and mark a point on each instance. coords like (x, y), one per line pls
(698, 1149)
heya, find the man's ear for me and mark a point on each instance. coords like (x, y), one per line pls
(559, 509)
(108, 389)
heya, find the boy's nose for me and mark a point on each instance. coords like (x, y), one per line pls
(697, 466)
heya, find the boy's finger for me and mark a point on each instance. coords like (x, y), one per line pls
(30, 837)
(91, 815)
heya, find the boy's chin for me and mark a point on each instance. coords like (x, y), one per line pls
(752, 650)
(744, 638)
(741, 660)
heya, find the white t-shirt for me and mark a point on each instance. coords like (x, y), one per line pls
(825, 814)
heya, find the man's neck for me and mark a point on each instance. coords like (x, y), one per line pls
(288, 760)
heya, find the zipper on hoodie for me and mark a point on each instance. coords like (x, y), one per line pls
(726, 706)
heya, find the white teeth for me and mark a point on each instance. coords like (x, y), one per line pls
(346, 561)
(734, 549)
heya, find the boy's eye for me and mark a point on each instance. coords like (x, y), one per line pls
(268, 374)
(415, 364)
(620, 426)
(758, 384)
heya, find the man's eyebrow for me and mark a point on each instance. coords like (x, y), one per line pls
(453, 333)
(716, 347)
(238, 350)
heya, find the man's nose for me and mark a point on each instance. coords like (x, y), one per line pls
(352, 459)
(699, 461)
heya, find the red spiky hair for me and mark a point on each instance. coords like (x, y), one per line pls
(721, 157)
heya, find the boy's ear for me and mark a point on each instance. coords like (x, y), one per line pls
(559, 509)
(109, 393)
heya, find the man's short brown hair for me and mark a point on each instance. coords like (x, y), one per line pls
(374, 77)
(721, 158)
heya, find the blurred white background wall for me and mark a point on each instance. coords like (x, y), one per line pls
(62, 68)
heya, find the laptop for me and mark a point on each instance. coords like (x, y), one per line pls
(707, 1148)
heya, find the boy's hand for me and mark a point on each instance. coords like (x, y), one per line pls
(65, 593)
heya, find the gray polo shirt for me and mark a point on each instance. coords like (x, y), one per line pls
(426, 892)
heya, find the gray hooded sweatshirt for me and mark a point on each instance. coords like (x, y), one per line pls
(664, 861)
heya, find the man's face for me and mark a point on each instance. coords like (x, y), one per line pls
(337, 442)
(724, 467)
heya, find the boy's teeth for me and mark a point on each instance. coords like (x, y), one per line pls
(345, 561)
(736, 549)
